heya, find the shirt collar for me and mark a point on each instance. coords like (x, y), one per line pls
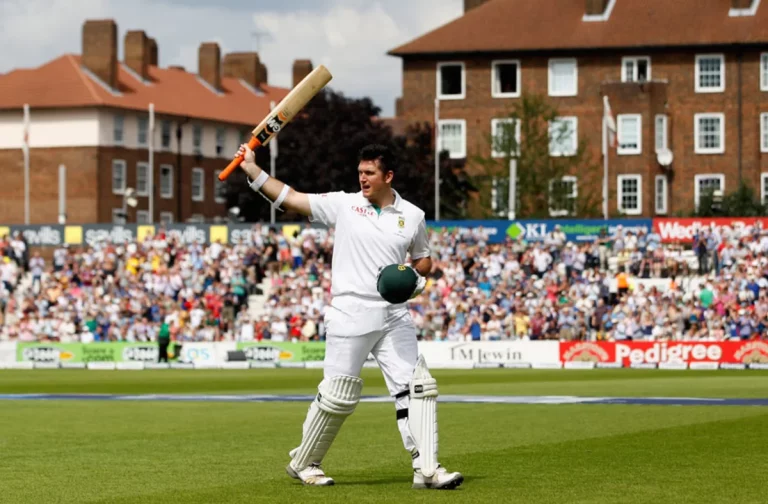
(397, 205)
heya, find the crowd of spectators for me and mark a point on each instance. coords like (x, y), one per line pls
(626, 285)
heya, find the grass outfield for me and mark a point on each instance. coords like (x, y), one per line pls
(202, 452)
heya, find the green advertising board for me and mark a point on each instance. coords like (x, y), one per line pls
(86, 352)
(282, 351)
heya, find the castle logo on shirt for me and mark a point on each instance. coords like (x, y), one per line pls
(363, 211)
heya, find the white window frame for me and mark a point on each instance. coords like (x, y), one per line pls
(697, 72)
(620, 190)
(118, 129)
(764, 71)
(555, 61)
(166, 194)
(494, 80)
(197, 140)
(463, 124)
(163, 125)
(626, 151)
(139, 131)
(763, 191)
(119, 219)
(702, 150)
(664, 132)
(635, 59)
(123, 167)
(566, 178)
(142, 217)
(166, 217)
(196, 219)
(199, 172)
(764, 132)
(216, 184)
(662, 208)
(494, 126)
(439, 80)
(142, 165)
(698, 178)
(575, 146)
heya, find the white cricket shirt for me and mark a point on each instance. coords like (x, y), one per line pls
(366, 240)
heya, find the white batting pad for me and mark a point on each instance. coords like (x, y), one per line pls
(336, 400)
(422, 416)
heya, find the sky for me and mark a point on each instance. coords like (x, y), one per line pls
(350, 37)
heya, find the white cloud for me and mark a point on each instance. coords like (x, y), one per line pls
(350, 37)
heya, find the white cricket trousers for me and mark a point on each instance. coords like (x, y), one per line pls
(355, 329)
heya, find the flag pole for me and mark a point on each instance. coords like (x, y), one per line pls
(151, 167)
(605, 170)
(25, 150)
(437, 159)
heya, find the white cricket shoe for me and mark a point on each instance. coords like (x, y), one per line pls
(442, 480)
(311, 476)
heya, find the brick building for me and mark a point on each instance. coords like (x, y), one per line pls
(90, 113)
(687, 76)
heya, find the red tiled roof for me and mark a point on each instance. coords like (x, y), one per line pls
(62, 83)
(520, 25)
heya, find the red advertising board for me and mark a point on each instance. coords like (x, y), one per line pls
(682, 230)
(637, 352)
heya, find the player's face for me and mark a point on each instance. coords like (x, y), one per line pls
(372, 180)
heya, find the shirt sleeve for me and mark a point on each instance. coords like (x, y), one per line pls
(420, 244)
(325, 207)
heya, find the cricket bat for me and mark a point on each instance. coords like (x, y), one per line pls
(285, 111)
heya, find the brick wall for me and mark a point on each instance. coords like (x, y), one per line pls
(674, 92)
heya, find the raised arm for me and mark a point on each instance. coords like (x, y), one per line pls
(278, 192)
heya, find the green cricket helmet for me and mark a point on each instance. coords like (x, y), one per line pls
(396, 283)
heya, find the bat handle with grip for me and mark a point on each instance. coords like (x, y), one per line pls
(252, 144)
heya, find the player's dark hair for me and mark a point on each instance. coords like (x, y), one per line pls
(380, 153)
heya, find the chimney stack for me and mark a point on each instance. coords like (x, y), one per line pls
(209, 64)
(137, 52)
(100, 49)
(471, 4)
(245, 66)
(152, 52)
(301, 68)
(263, 75)
(596, 7)
(741, 4)
(399, 107)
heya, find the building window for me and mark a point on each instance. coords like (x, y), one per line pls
(166, 218)
(764, 72)
(630, 194)
(764, 188)
(704, 185)
(197, 139)
(630, 133)
(118, 129)
(166, 181)
(118, 176)
(505, 134)
(505, 77)
(165, 135)
(661, 194)
(563, 77)
(142, 178)
(636, 69)
(562, 196)
(764, 132)
(142, 217)
(450, 81)
(709, 133)
(197, 219)
(453, 137)
(662, 134)
(221, 138)
(710, 73)
(142, 134)
(563, 136)
(118, 217)
(219, 189)
(198, 184)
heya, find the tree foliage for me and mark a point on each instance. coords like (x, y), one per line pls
(743, 202)
(318, 152)
(544, 185)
